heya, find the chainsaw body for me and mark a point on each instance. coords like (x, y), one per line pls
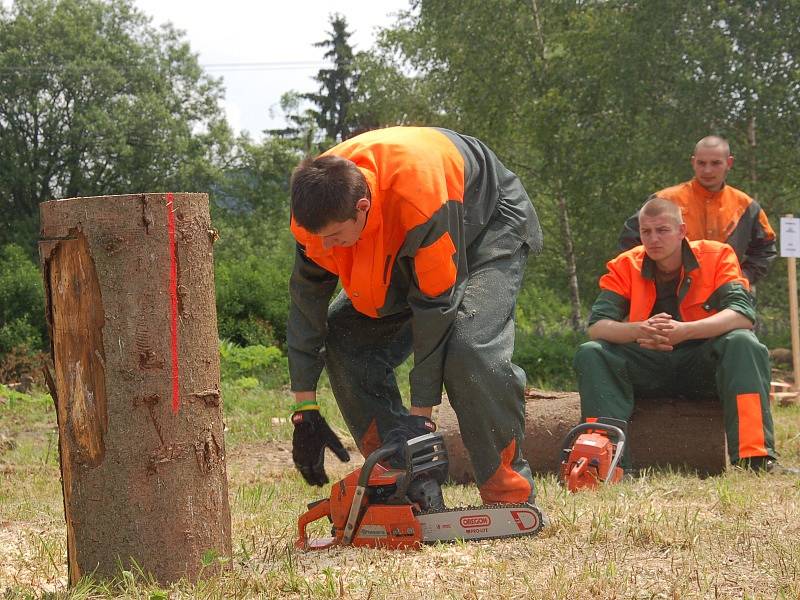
(591, 453)
(383, 507)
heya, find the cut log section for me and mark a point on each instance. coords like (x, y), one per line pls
(129, 286)
(673, 433)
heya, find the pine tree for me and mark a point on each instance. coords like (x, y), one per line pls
(336, 84)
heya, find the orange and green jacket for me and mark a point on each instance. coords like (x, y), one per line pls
(440, 202)
(729, 216)
(710, 281)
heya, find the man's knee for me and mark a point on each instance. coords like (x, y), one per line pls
(742, 340)
(587, 353)
(464, 342)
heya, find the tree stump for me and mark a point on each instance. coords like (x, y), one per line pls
(131, 311)
(661, 433)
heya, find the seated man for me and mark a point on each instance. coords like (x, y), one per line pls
(675, 318)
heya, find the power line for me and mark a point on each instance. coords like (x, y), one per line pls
(297, 65)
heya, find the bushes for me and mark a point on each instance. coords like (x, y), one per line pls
(547, 359)
(23, 331)
(22, 322)
(251, 365)
(252, 285)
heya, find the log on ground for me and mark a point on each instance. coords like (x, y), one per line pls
(662, 433)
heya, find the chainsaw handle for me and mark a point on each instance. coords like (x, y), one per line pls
(317, 511)
(578, 429)
(579, 469)
(373, 459)
(358, 495)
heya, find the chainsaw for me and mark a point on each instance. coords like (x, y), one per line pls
(590, 456)
(380, 506)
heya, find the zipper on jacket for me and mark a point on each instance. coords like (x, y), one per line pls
(683, 289)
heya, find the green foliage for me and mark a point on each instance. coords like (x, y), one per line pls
(252, 294)
(598, 104)
(547, 359)
(266, 365)
(22, 320)
(94, 100)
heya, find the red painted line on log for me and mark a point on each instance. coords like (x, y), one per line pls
(173, 296)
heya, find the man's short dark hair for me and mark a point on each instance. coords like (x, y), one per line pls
(325, 190)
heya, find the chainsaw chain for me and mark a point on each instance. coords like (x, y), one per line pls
(479, 507)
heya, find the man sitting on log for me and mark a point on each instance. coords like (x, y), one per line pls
(428, 234)
(675, 318)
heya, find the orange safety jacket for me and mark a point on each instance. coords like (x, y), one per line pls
(728, 215)
(710, 281)
(439, 200)
(404, 195)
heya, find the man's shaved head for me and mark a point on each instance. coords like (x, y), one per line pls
(713, 141)
(655, 207)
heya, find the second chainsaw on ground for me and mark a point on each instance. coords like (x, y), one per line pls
(591, 453)
(385, 507)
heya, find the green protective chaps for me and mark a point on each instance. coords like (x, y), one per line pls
(733, 367)
(485, 389)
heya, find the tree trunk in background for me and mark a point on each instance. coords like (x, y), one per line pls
(751, 140)
(572, 269)
(131, 310)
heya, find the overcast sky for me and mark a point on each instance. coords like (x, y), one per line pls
(242, 32)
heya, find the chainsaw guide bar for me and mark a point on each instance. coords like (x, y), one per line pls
(484, 522)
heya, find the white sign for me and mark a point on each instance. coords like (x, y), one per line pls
(790, 237)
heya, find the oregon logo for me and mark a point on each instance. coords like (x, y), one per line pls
(471, 521)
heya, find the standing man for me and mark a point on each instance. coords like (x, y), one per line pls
(675, 318)
(713, 210)
(428, 234)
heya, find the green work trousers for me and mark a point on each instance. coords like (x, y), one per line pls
(485, 389)
(733, 367)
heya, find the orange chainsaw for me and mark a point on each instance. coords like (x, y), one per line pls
(590, 456)
(383, 507)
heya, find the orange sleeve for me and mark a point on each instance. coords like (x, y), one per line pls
(768, 231)
(434, 266)
(618, 278)
(728, 269)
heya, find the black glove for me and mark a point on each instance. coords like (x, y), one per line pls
(410, 427)
(312, 435)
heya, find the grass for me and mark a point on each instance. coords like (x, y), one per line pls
(662, 535)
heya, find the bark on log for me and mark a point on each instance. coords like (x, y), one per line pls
(131, 310)
(661, 433)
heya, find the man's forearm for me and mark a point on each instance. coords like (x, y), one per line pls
(724, 321)
(615, 332)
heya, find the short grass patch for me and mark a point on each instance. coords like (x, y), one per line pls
(662, 535)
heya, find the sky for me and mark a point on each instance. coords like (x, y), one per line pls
(231, 35)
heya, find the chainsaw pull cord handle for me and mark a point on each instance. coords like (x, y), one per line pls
(620, 445)
(578, 470)
(318, 510)
(363, 479)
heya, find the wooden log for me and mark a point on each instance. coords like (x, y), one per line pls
(661, 433)
(131, 310)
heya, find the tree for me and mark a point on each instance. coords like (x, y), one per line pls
(336, 83)
(95, 101)
(597, 104)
